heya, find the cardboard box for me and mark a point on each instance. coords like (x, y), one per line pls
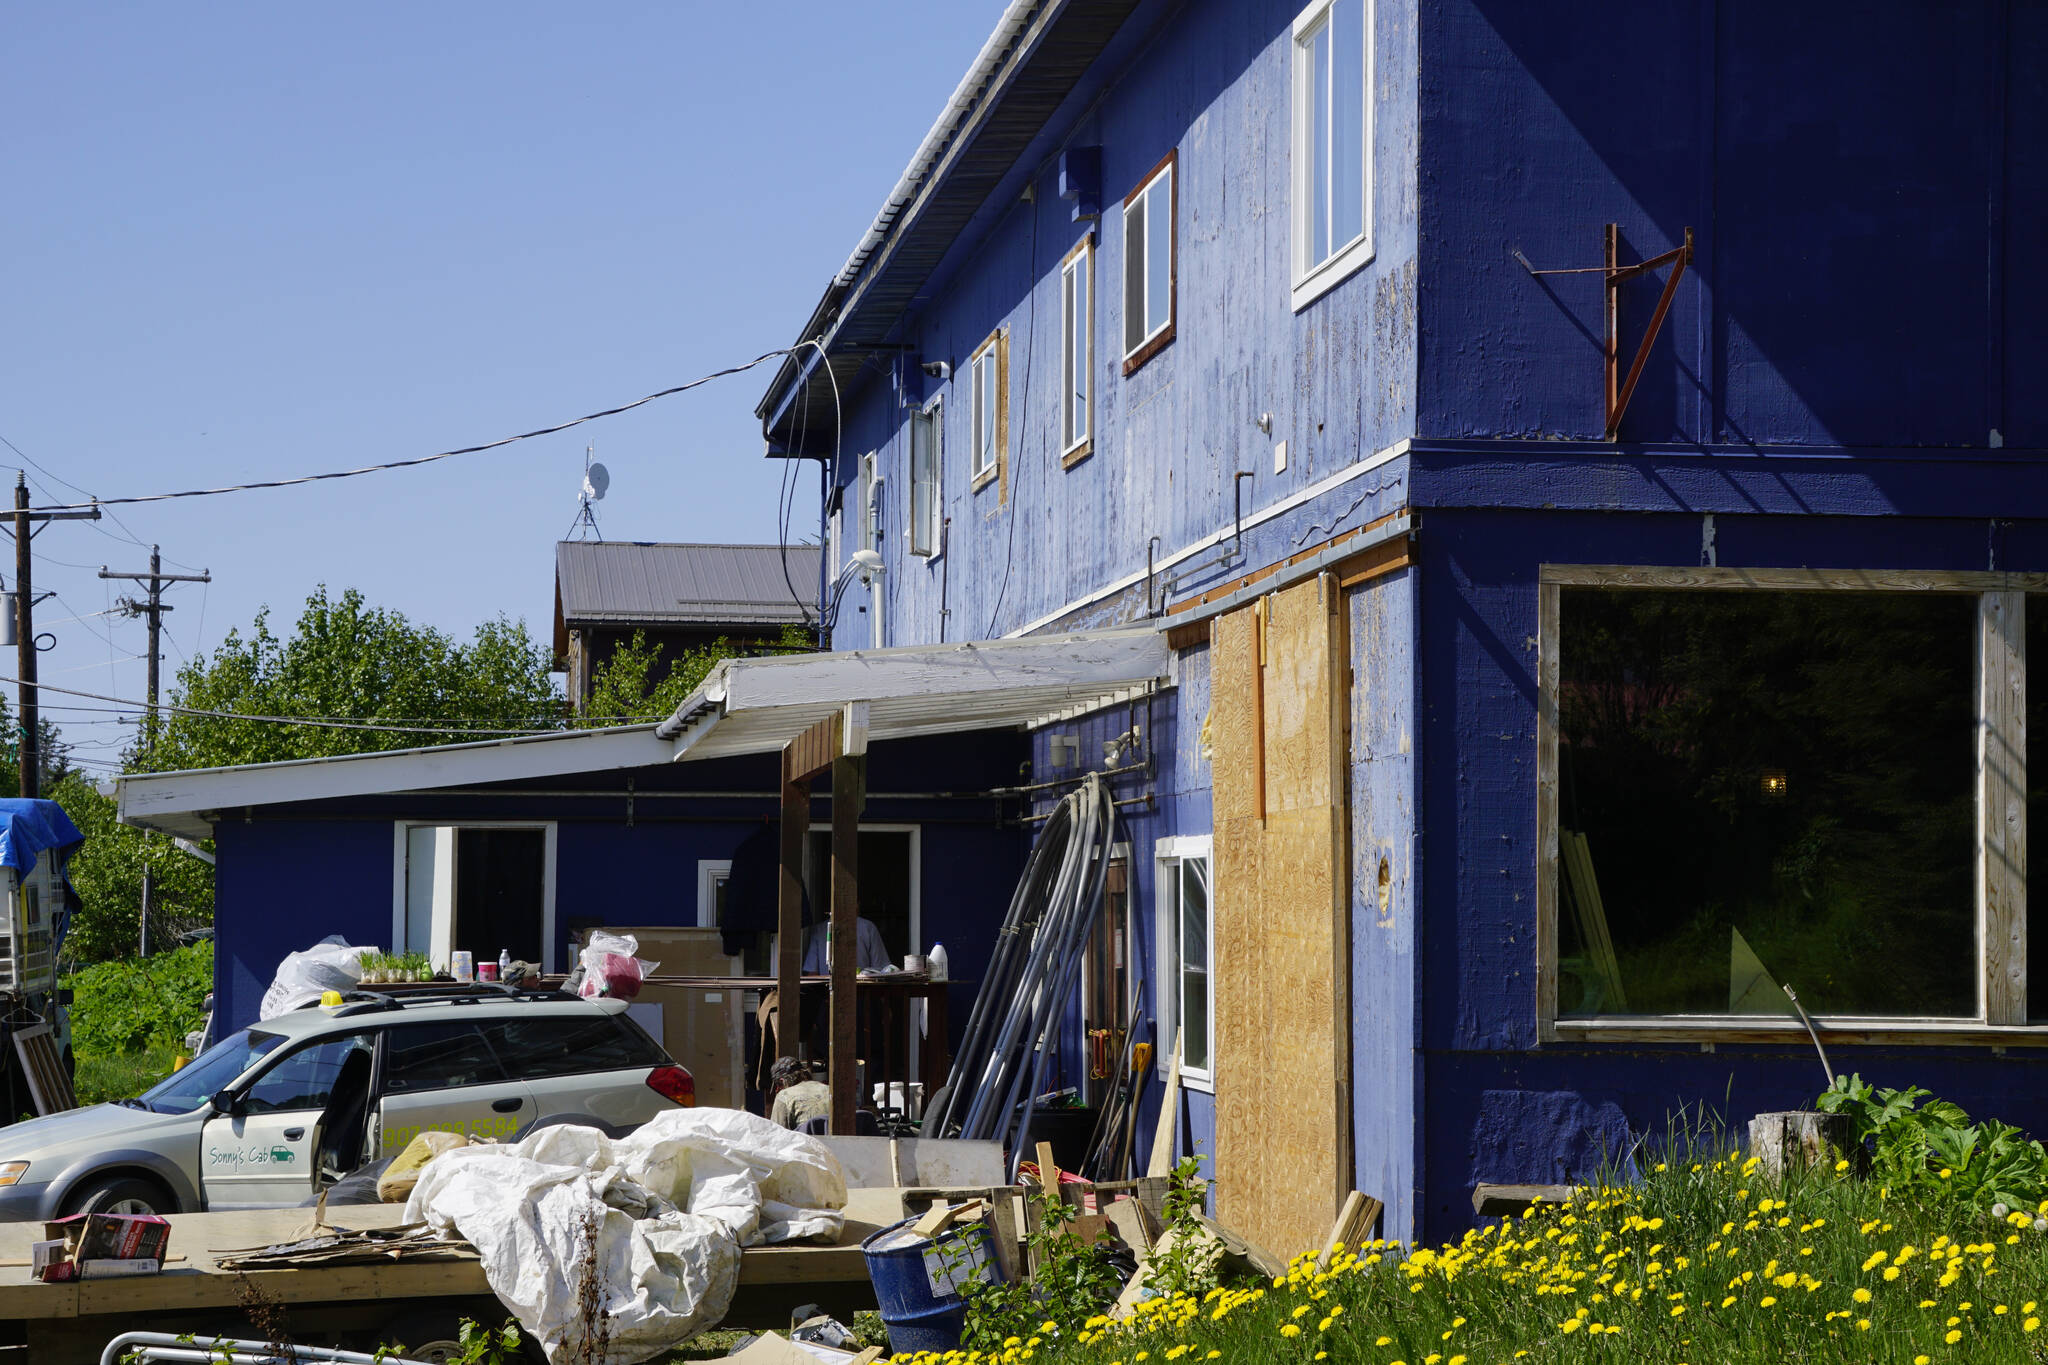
(111, 1237)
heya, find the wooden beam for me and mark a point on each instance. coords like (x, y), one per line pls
(789, 914)
(849, 795)
(811, 753)
(2002, 803)
(1242, 581)
(1789, 580)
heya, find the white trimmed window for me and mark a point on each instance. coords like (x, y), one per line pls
(1077, 350)
(1186, 943)
(987, 420)
(1149, 268)
(927, 456)
(1332, 144)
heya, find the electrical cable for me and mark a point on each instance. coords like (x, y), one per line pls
(838, 435)
(131, 538)
(1024, 404)
(438, 455)
(271, 720)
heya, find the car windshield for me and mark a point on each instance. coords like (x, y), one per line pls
(194, 1083)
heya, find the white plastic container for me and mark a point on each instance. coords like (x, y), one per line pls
(939, 964)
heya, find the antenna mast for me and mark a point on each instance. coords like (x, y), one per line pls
(596, 479)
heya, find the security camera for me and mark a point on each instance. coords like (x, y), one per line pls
(937, 369)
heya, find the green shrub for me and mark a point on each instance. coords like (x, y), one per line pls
(124, 1007)
(1928, 1148)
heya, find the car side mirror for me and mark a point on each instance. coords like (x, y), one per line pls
(226, 1102)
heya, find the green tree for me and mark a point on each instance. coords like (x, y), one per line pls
(344, 661)
(621, 690)
(359, 665)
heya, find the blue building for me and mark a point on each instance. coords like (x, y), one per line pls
(1579, 465)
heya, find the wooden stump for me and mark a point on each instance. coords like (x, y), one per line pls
(1798, 1138)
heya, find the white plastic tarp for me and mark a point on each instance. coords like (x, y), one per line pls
(671, 1207)
(329, 965)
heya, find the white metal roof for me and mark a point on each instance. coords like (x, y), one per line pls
(753, 706)
(746, 706)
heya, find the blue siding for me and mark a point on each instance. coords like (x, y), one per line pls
(282, 885)
(1337, 378)
(1865, 199)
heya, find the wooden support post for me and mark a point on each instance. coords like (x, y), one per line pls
(789, 914)
(849, 795)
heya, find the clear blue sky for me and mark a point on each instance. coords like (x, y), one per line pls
(246, 241)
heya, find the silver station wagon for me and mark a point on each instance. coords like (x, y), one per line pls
(270, 1115)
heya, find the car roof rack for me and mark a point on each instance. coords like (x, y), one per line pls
(378, 1002)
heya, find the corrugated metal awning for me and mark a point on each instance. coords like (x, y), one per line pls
(754, 706)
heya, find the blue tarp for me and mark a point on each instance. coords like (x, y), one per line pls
(27, 828)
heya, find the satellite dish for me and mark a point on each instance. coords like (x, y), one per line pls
(595, 480)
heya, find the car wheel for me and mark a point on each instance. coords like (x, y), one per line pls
(120, 1194)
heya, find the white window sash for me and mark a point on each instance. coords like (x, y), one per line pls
(1077, 349)
(1313, 278)
(1169, 855)
(1154, 199)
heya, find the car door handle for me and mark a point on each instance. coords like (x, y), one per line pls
(506, 1106)
(294, 1134)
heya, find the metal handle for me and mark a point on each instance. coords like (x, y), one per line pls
(506, 1106)
(294, 1134)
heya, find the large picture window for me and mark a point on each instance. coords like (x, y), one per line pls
(1332, 151)
(1186, 942)
(1759, 779)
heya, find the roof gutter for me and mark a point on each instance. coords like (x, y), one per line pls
(965, 96)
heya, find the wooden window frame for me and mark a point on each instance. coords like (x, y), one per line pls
(2000, 855)
(1155, 342)
(1076, 261)
(1312, 280)
(997, 349)
(927, 539)
(1172, 852)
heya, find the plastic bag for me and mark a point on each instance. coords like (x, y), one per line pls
(670, 1206)
(329, 965)
(610, 967)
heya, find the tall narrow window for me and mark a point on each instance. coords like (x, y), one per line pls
(927, 436)
(1185, 940)
(987, 421)
(1077, 350)
(1332, 144)
(1149, 271)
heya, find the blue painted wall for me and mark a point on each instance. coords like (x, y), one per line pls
(1866, 201)
(1211, 80)
(282, 885)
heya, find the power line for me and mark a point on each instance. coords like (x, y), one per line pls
(422, 459)
(131, 538)
(274, 720)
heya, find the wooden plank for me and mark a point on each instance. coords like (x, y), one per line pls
(48, 1083)
(1505, 1201)
(1355, 1222)
(702, 1029)
(1582, 892)
(1188, 636)
(1707, 1030)
(1161, 1161)
(1548, 600)
(1788, 580)
(1368, 565)
(1243, 581)
(789, 918)
(849, 798)
(2002, 804)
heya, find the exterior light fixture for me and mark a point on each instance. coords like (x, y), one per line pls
(1774, 784)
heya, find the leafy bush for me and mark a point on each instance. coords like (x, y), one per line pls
(123, 1007)
(1928, 1147)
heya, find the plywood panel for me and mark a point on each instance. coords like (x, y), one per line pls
(703, 1030)
(1283, 1158)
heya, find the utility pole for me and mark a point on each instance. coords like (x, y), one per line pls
(25, 633)
(153, 608)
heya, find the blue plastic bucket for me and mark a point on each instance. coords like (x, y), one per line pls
(916, 1283)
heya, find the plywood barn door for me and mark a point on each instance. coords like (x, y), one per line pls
(1278, 684)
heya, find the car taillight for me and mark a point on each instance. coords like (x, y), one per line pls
(674, 1083)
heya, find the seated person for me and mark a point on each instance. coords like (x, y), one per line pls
(799, 1095)
(870, 952)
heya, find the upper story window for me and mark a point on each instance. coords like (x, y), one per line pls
(1077, 350)
(927, 446)
(988, 417)
(1149, 231)
(1332, 144)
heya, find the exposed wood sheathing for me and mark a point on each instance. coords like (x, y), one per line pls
(1282, 950)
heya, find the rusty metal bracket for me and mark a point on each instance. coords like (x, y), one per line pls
(1620, 389)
